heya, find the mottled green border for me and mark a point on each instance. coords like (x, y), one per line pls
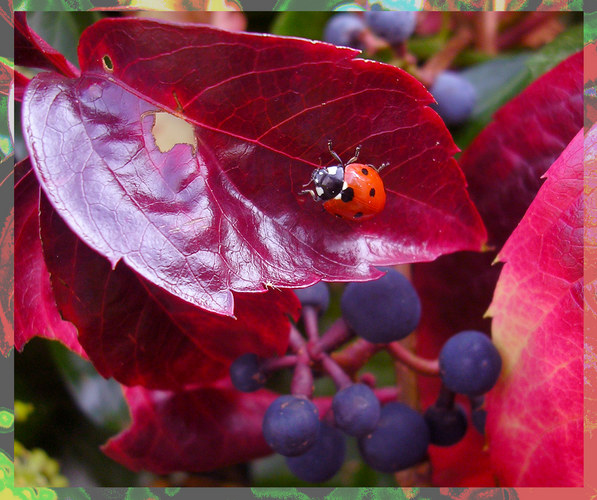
(8, 491)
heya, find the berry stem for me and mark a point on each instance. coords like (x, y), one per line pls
(336, 335)
(429, 367)
(445, 398)
(335, 371)
(387, 394)
(274, 364)
(355, 355)
(477, 402)
(529, 24)
(487, 29)
(442, 60)
(302, 379)
(310, 320)
(296, 340)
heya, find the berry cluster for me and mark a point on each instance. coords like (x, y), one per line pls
(455, 95)
(391, 435)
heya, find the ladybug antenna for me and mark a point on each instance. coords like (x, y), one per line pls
(356, 155)
(333, 153)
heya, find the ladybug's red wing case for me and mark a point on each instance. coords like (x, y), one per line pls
(363, 197)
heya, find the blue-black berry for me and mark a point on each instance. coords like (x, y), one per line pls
(317, 295)
(383, 310)
(393, 26)
(447, 426)
(323, 460)
(455, 96)
(399, 441)
(344, 29)
(245, 373)
(356, 409)
(469, 363)
(291, 425)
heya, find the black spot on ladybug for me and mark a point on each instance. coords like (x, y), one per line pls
(358, 215)
(372, 192)
(347, 195)
(365, 171)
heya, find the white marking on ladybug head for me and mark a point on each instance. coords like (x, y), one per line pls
(344, 186)
(332, 170)
(319, 190)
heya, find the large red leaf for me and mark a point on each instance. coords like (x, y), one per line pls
(535, 422)
(503, 167)
(35, 312)
(224, 213)
(195, 431)
(140, 334)
(191, 431)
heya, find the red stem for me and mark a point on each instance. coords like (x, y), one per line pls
(423, 366)
(275, 364)
(354, 356)
(311, 320)
(335, 371)
(336, 335)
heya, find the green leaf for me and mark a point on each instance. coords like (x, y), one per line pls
(316, 5)
(303, 24)
(62, 29)
(52, 5)
(99, 399)
(590, 27)
(503, 78)
(6, 148)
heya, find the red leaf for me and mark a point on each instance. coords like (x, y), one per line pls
(33, 51)
(35, 312)
(224, 213)
(7, 339)
(503, 167)
(139, 334)
(194, 431)
(535, 417)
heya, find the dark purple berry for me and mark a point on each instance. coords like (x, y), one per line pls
(317, 295)
(383, 310)
(245, 373)
(447, 426)
(399, 440)
(291, 425)
(345, 30)
(393, 26)
(455, 96)
(323, 460)
(356, 409)
(469, 363)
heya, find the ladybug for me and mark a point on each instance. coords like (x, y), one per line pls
(350, 190)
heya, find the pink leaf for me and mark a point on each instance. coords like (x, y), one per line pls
(535, 417)
(503, 167)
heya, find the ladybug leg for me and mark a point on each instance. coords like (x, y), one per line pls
(356, 155)
(382, 166)
(311, 192)
(333, 153)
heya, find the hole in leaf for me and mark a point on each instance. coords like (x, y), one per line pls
(169, 130)
(108, 64)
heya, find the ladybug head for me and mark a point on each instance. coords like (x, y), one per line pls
(328, 181)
